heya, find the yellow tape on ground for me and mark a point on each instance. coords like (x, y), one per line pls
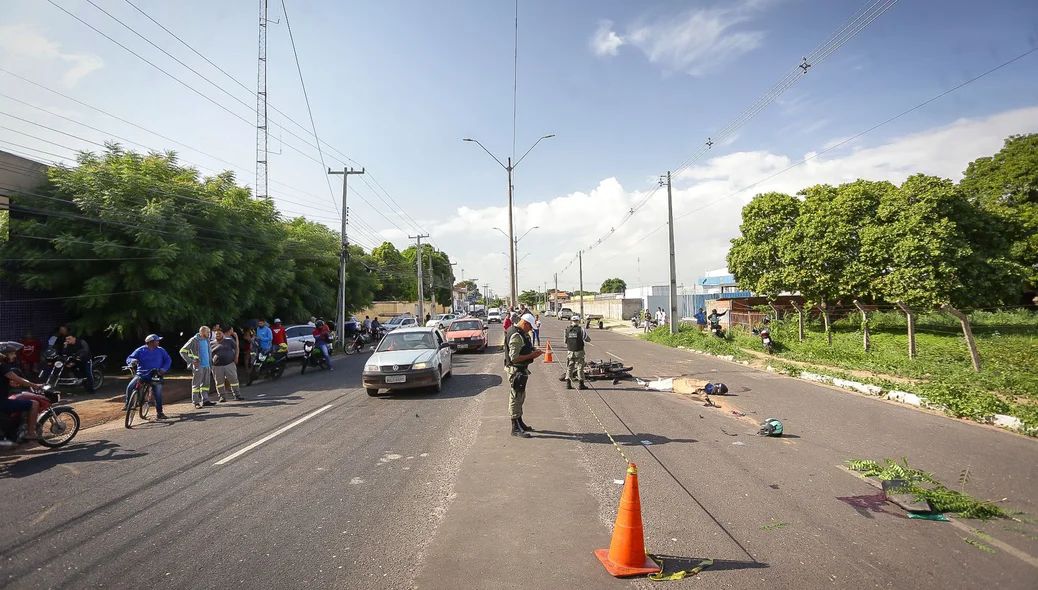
(662, 577)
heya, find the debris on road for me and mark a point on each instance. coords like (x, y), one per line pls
(739, 443)
(774, 525)
(770, 427)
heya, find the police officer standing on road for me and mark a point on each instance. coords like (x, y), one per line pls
(519, 355)
(576, 336)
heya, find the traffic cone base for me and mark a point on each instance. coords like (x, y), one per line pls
(626, 554)
(619, 571)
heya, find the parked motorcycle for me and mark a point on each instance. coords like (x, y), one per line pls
(357, 342)
(765, 337)
(67, 371)
(716, 329)
(310, 359)
(56, 425)
(268, 364)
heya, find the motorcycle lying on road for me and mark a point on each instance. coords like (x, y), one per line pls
(67, 371)
(268, 364)
(55, 425)
(310, 359)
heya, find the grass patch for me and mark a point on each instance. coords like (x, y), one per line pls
(692, 337)
(1007, 342)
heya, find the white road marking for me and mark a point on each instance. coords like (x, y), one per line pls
(615, 357)
(241, 452)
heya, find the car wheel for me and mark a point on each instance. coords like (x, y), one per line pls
(438, 388)
(372, 391)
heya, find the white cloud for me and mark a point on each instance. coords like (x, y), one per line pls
(697, 42)
(606, 41)
(24, 46)
(571, 222)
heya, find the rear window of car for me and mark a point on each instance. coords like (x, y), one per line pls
(465, 325)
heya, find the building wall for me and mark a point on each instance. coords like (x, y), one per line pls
(617, 309)
(384, 310)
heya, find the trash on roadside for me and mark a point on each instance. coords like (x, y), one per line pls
(770, 427)
(737, 414)
(646, 442)
(929, 516)
(739, 443)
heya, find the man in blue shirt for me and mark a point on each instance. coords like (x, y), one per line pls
(701, 319)
(264, 335)
(146, 359)
(196, 352)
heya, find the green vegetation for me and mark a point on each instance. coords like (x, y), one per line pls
(924, 486)
(691, 337)
(1007, 341)
(614, 285)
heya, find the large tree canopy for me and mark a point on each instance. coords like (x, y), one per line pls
(924, 242)
(614, 286)
(135, 243)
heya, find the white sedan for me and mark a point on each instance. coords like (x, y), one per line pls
(441, 321)
(408, 358)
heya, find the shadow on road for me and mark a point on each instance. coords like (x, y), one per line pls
(201, 417)
(627, 440)
(455, 386)
(871, 504)
(88, 452)
(672, 563)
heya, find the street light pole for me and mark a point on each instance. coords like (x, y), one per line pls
(511, 224)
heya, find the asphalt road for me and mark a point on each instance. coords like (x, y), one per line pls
(313, 484)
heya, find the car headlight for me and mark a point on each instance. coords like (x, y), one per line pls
(422, 365)
(373, 368)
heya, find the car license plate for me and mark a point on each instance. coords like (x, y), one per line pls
(463, 346)
(767, 341)
(396, 378)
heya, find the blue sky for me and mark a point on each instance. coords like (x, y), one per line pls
(396, 85)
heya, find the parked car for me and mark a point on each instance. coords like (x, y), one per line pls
(468, 334)
(565, 313)
(296, 336)
(408, 358)
(403, 321)
(441, 320)
(494, 316)
(550, 313)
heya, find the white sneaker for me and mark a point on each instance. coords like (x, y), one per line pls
(6, 444)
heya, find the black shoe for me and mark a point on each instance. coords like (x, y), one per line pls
(124, 408)
(239, 398)
(563, 378)
(582, 386)
(198, 406)
(518, 430)
(208, 403)
(162, 417)
(569, 385)
(526, 427)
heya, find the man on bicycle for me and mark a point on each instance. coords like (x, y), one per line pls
(144, 360)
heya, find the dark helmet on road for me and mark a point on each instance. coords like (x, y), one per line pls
(770, 427)
(716, 389)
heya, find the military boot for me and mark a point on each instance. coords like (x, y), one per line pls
(518, 430)
(582, 386)
(569, 384)
(526, 427)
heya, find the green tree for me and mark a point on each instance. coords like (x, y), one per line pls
(530, 297)
(754, 258)
(1006, 185)
(613, 286)
(397, 276)
(936, 247)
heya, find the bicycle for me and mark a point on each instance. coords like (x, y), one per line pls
(142, 397)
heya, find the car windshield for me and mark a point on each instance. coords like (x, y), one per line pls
(394, 321)
(407, 341)
(466, 325)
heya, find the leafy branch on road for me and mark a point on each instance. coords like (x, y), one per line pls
(924, 486)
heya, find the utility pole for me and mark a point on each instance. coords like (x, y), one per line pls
(556, 306)
(432, 282)
(672, 316)
(261, 106)
(344, 255)
(580, 264)
(421, 285)
(511, 239)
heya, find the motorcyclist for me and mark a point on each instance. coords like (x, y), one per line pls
(279, 334)
(264, 336)
(715, 318)
(323, 340)
(145, 359)
(8, 363)
(78, 348)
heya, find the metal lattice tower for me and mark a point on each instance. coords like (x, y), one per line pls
(261, 106)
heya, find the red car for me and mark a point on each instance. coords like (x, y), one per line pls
(468, 334)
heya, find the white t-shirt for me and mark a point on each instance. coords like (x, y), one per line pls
(537, 324)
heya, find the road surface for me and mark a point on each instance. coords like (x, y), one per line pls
(313, 484)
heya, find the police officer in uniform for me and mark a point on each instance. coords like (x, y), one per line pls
(519, 355)
(576, 336)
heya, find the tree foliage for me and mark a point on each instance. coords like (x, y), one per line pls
(926, 242)
(437, 273)
(135, 243)
(531, 297)
(613, 286)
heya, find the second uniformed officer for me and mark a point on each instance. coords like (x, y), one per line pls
(519, 355)
(576, 336)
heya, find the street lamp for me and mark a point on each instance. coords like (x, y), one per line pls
(511, 226)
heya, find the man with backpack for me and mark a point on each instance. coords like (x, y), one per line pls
(519, 355)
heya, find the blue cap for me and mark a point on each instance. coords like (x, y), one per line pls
(152, 337)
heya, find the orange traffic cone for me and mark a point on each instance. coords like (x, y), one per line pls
(547, 352)
(626, 554)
